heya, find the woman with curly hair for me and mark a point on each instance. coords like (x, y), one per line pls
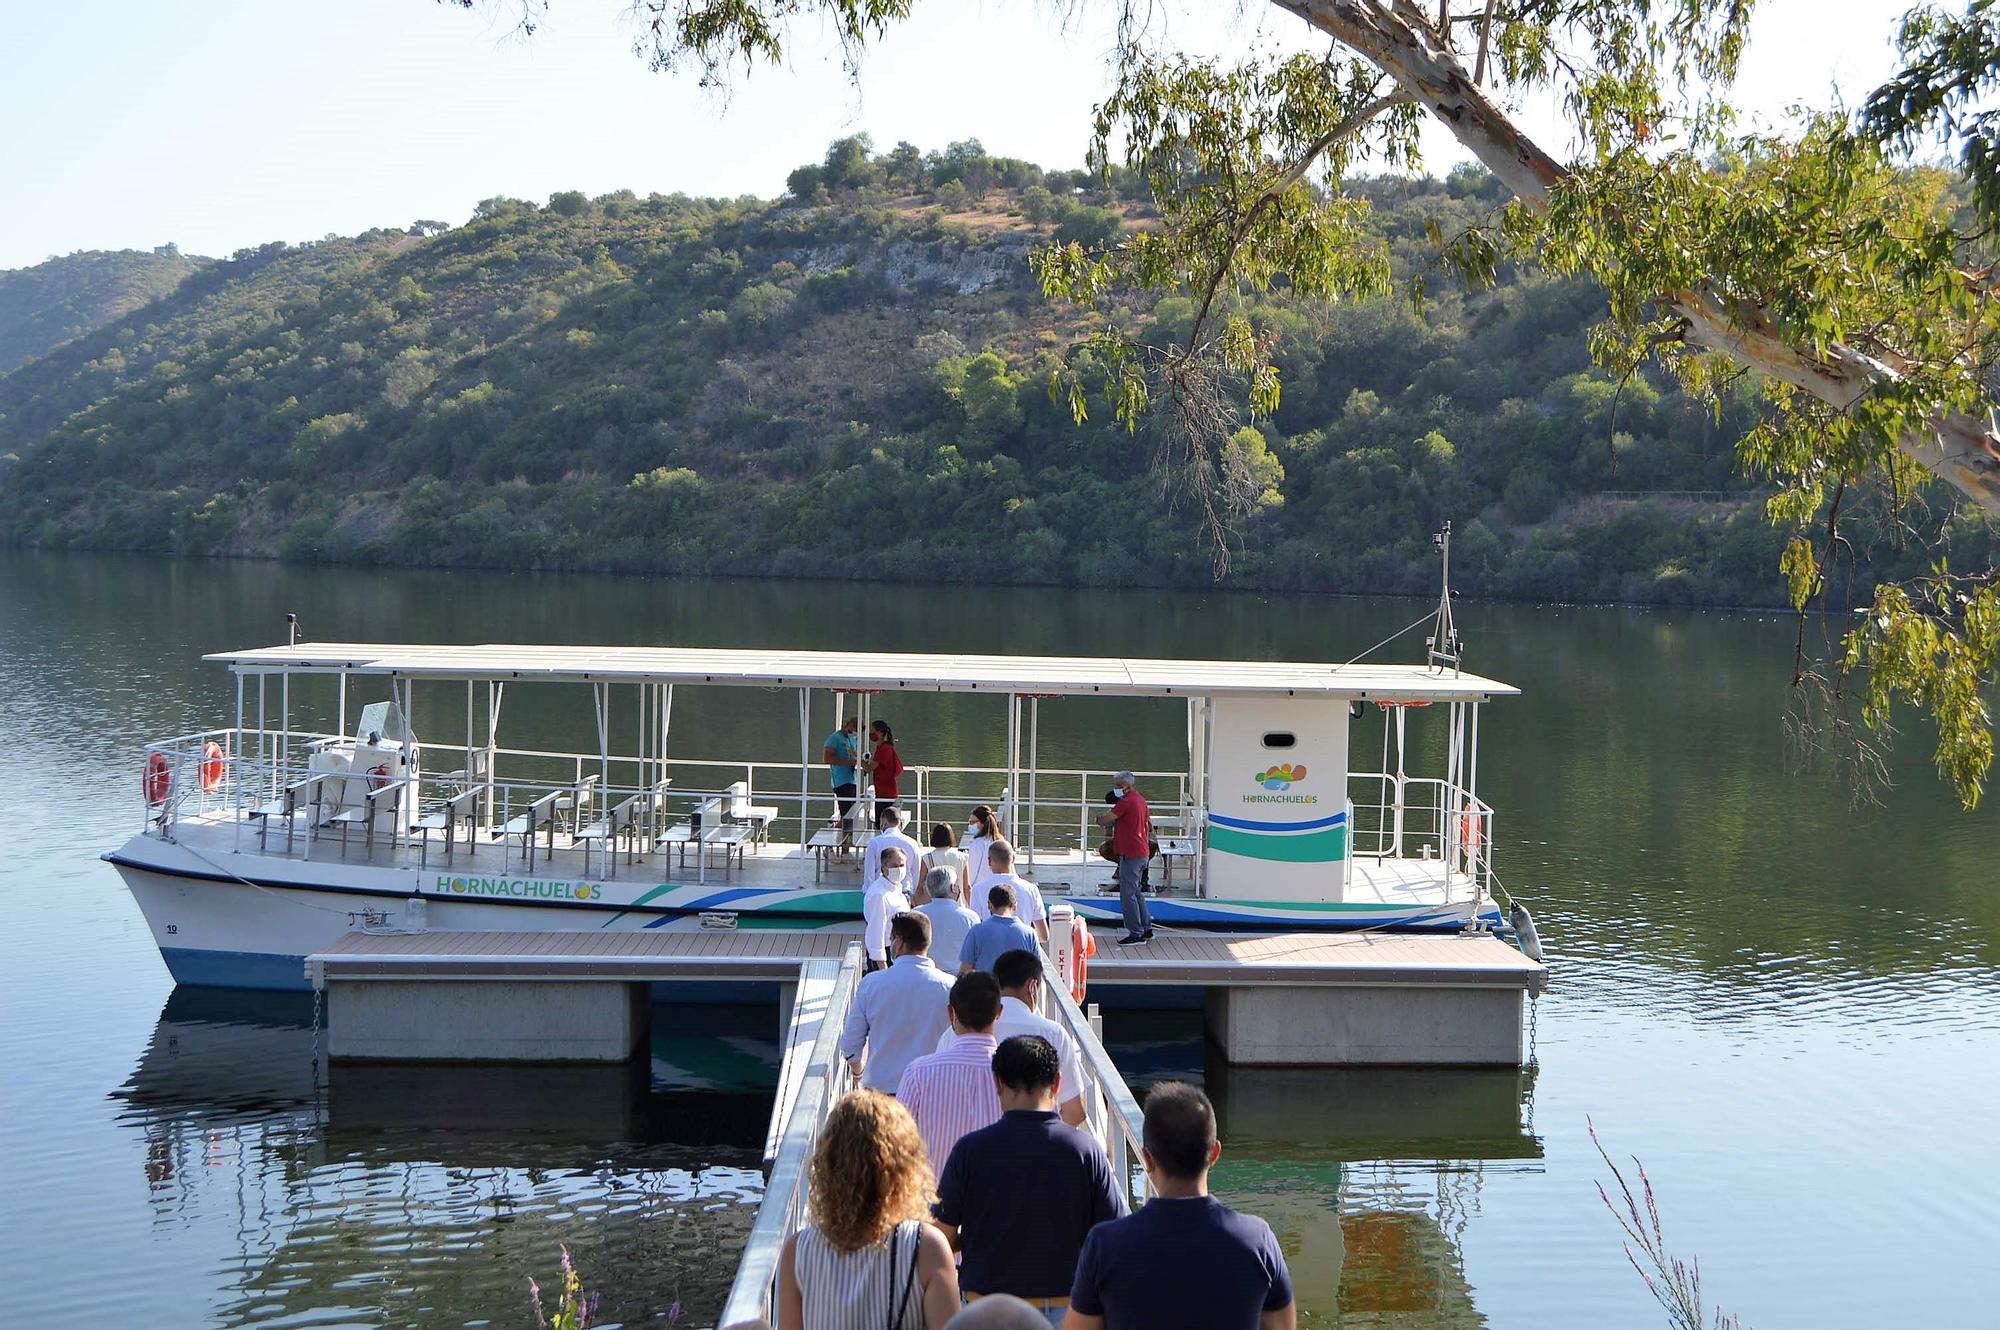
(870, 1259)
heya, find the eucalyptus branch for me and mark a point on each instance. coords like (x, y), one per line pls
(1485, 36)
(1346, 128)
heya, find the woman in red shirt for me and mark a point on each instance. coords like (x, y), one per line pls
(884, 765)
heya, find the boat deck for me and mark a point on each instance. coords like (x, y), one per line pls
(1473, 960)
(783, 864)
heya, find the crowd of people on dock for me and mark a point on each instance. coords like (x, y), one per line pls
(958, 1187)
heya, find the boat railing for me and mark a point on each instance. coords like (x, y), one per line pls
(1422, 817)
(1110, 1114)
(1057, 809)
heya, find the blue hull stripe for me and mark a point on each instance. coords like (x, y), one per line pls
(714, 899)
(1247, 824)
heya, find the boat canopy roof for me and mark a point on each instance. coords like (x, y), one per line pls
(886, 671)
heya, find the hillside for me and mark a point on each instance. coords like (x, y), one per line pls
(46, 305)
(852, 383)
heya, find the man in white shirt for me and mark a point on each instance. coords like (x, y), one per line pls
(1019, 974)
(899, 1012)
(1027, 896)
(887, 896)
(889, 824)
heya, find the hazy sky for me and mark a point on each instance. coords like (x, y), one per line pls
(219, 124)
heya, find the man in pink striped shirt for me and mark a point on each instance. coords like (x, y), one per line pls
(951, 1092)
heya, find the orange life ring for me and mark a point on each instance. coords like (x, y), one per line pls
(211, 767)
(1468, 835)
(378, 776)
(159, 779)
(1080, 954)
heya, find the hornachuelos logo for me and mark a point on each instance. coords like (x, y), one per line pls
(1279, 780)
(520, 888)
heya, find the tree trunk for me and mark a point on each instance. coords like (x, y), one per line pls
(1398, 38)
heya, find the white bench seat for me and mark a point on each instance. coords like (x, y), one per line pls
(758, 817)
(538, 816)
(621, 823)
(462, 807)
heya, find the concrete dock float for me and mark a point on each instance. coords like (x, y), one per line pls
(1297, 999)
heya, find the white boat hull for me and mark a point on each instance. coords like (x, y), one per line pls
(229, 919)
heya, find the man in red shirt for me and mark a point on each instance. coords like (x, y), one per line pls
(1131, 826)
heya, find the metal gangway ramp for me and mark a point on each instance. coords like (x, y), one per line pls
(815, 1076)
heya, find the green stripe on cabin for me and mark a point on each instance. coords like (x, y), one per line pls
(1325, 846)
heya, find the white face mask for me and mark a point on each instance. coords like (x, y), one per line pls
(895, 873)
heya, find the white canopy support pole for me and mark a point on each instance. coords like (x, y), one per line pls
(867, 713)
(236, 740)
(496, 693)
(603, 698)
(1472, 763)
(1034, 765)
(1205, 732)
(1448, 800)
(340, 711)
(1382, 786)
(405, 806)
(1482, 843)
(1011, 793)
(805, 764)
(470, 762)
(410, 727)
(284, 721)
(263, 751)
(1402, 732)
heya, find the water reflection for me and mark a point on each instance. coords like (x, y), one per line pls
(1369, 1176)
(393, 1195)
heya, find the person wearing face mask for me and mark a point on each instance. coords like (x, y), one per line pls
(883, 765)
(1131, 826)
(980, 833)
(889, 823)
(886, 896)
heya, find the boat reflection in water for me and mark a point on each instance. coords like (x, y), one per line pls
(414, 1194)
(1369, 1176)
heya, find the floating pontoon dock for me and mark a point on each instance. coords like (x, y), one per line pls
(1291, 1000)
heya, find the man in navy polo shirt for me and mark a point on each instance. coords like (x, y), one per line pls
(1018, 1197)
(1185, 1261)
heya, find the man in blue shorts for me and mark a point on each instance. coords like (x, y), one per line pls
(1185, 1261)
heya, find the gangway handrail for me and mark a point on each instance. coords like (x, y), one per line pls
(1117, 1108)
(1113, 1117)
(753, 1293)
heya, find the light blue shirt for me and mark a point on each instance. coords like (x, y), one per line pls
(897, 1015)
(989, 941)
(842, 771)
(950, 922)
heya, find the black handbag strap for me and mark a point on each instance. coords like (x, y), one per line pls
(909, 1272)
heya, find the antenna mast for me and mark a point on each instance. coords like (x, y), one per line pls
(1443, 647)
